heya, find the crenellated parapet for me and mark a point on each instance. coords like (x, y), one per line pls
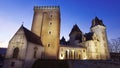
(46, 7)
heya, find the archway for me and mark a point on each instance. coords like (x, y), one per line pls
(15, 52)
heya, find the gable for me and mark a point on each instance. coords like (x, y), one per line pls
(31, 37)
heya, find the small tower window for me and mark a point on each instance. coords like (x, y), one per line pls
(49, 32)
(48, 45)
(50, 23)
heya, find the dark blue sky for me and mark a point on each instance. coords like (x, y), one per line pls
(81, 12)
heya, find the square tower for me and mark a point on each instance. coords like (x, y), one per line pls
(46, 24)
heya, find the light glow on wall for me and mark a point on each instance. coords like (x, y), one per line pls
(85, 58)
(61, 56)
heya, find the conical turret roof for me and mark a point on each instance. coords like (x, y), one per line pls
(96, 22)
(75, 29)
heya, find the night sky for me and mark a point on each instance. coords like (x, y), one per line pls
(80, 12)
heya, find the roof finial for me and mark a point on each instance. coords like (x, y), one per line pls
(96, 18)
(23, 23)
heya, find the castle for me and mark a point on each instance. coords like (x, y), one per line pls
(43, 41)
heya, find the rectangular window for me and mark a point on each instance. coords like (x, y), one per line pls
(50, 23)
(48, 45)
(49, 32)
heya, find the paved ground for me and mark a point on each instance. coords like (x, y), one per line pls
(95, 64)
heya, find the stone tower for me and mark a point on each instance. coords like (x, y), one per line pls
(100, 30)
(46, 24)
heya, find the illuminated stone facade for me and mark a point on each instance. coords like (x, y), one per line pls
(46, 24)
(94, 43)
(23, 49)
(43, 41)
(72, 53)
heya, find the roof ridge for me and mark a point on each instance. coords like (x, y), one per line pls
(30, 36)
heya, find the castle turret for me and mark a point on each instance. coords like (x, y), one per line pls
(100, 30)
(46, 24)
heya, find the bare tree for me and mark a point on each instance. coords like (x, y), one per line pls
(114, 45)
(110, 47)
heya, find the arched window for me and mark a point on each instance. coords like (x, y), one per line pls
(70, 54)
(15, 52)
(79, 56)
(66, 54)
(35, 52)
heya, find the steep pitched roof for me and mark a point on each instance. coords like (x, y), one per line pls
(75, 29)
(30, 36)
(63, 41)
(96, 22)
(89, 36)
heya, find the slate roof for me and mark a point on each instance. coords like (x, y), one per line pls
(75, 29)
(89, 36)
(96, 22)
(30, 36)
(78, 37)
(63, 41)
